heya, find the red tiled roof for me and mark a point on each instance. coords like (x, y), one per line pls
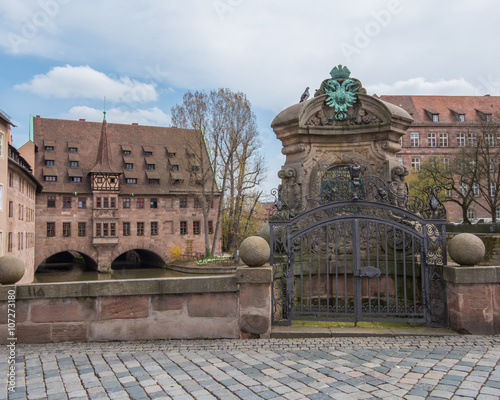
(92, 156)
(447, 107)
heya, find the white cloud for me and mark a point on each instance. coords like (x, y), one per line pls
(153, 116)
(70, 82)
(420, 86)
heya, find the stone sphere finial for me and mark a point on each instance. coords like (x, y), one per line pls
(11, 269)
(255, 251)
(466, 249)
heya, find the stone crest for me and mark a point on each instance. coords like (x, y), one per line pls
(340, 126)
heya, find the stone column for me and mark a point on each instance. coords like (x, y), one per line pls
(255, 301)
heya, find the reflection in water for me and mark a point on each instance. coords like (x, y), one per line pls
(76, 273)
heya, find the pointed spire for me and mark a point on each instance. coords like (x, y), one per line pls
(104, 163)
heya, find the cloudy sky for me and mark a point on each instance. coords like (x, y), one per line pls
(60, 58)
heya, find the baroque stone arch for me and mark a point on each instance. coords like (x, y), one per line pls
(87, 252)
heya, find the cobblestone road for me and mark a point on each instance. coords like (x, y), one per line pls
(412, 368)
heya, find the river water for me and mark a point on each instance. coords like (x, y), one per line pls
(75, 273)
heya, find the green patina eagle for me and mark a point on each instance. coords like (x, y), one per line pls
(341, 96)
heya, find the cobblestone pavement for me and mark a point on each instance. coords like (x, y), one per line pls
(455, 367)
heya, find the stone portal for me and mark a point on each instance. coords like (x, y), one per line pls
(339, 127)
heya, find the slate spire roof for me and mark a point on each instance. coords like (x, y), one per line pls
(104, 162)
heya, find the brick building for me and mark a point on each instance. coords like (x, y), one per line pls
(5, 125)
(18, 188)
(443, 124)
(114, 191)
(21, 193)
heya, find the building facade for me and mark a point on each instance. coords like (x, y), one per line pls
(5, 125)
(18, 188)
(442, 125)
(114, 192)
(21, 194)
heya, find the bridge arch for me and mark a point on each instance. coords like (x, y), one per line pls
(88, 254)
(146, 253)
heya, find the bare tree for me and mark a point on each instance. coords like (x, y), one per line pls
(228, 128)
(483, 157)
(472, 174)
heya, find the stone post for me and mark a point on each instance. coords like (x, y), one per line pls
(255, 301)
(473, 292)
(473, 299)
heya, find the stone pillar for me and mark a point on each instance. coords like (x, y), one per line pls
(473, 299)
(255, 301)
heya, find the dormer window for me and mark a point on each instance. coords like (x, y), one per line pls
(175, 168)
(126, 150)
(461, 117)
(73, 147)
(48, 145)
(484, 115)
(151, 167)
(49, 163)
(73, 164)
(148, 153)
(129, 162)
(435, 117)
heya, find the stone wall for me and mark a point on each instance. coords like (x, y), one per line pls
(473, 299)
(202, 307)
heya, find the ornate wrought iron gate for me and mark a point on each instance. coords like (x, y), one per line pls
(374, 257)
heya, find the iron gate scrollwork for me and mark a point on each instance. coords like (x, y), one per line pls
(377, 256)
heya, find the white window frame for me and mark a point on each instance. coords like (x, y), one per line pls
(443, 139)
(493, 189)
(464, 188)
(475, 190)
(415, 164)
(414, 139)
(461, 139)
(446, 163)
(472, 139)
(471, 213)
(431, 139)
(490, 139)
